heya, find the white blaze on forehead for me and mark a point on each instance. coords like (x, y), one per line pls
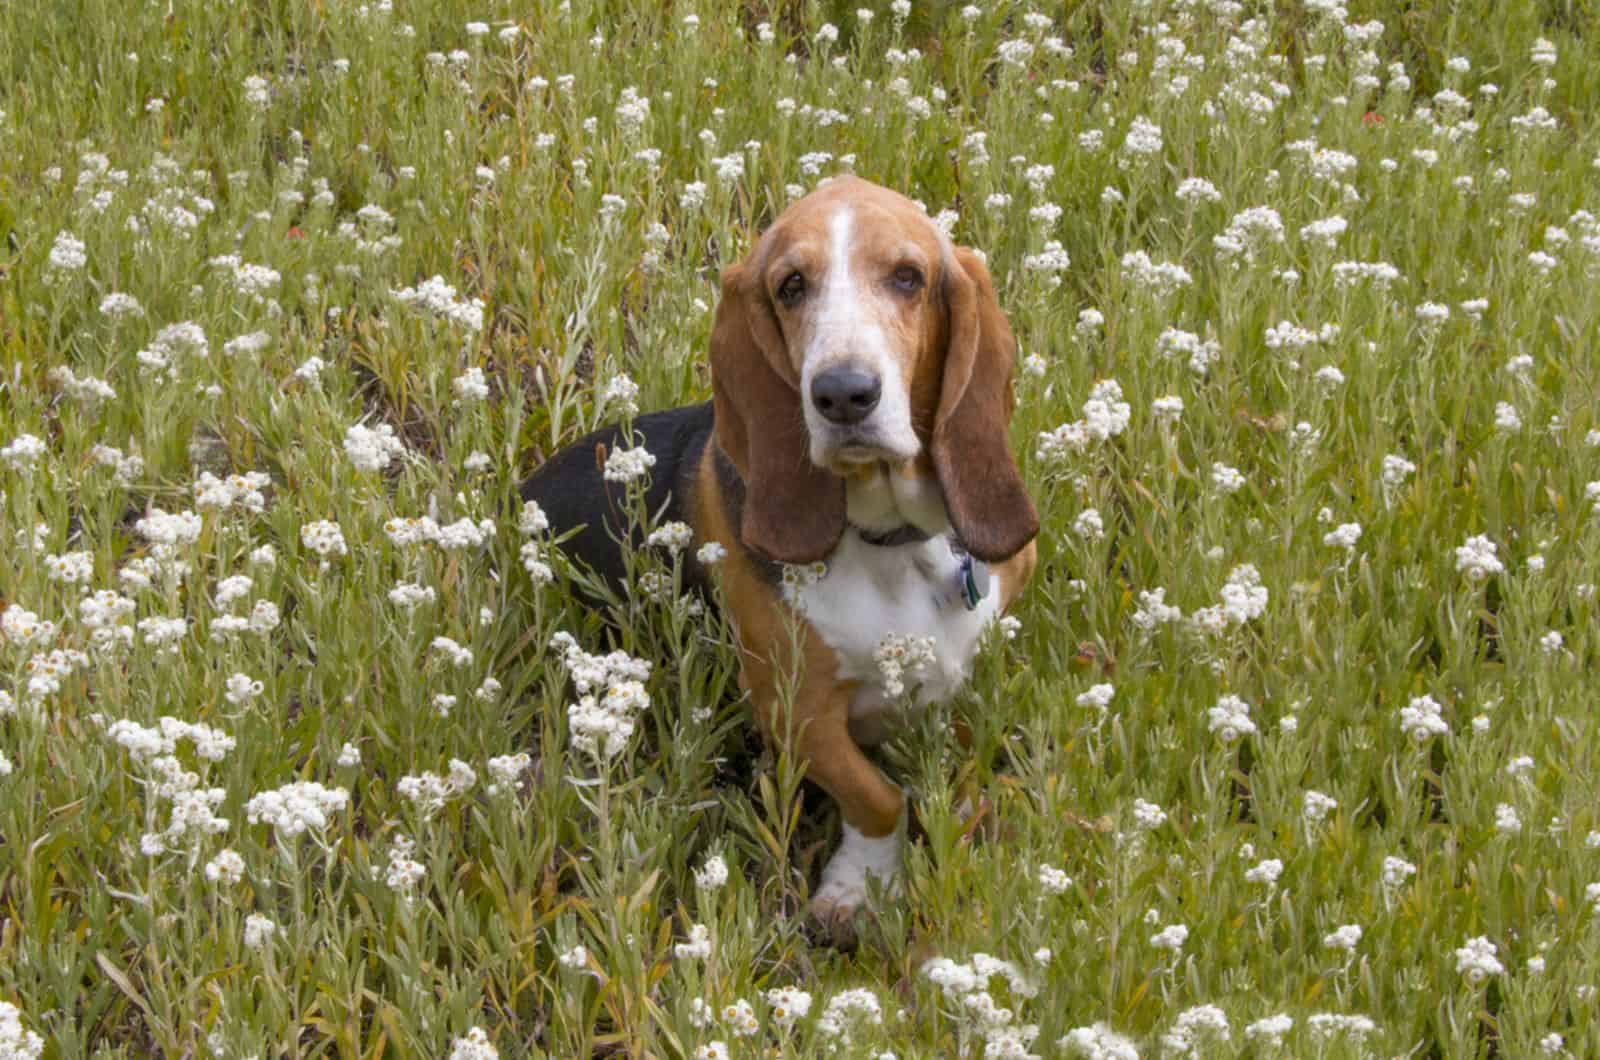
(840, 321)
(840, 301)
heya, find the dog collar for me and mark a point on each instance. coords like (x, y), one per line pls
(900, 535)
(971, 575)
(974, 581)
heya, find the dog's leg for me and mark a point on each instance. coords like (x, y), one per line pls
(873, 810)
(818, 719)
(817, 733)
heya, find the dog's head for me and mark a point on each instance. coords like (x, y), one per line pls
(856, 335)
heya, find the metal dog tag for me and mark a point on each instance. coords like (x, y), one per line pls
(974, 581)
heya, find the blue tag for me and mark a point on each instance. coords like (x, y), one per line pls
(974, 581)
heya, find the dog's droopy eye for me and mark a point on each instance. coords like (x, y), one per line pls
(906, 279)
(792, 289)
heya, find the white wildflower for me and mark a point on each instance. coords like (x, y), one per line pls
(712, 875)
(1195, 1029)
(1422, 719)
(297, 808)
(1344, 938)
(1317, 806)
(259, 931)
(697, 948)
(1476, 960)
(371, 449)
(1230, 719)
(1477, 559)
(1098, 1042)
(625, 465)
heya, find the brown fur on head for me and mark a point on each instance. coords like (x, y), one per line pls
(855, 276)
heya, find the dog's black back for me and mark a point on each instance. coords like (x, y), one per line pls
(572, 489)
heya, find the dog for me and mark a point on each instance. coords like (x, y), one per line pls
(854, 465)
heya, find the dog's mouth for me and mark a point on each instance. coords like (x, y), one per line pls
(859, 453)
(853, 455)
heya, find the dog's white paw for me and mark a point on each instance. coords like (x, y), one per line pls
(844, 880)
(837, 900)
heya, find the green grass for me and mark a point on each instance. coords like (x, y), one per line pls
(496, 185)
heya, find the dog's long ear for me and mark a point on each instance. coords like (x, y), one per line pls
(794, 511)
(983, 490)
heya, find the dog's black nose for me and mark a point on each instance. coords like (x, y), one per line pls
(845, 395)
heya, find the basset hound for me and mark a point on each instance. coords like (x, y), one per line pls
(861, 381)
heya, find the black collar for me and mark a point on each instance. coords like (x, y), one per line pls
(900, 535)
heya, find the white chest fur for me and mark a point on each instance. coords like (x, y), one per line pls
(872, 592)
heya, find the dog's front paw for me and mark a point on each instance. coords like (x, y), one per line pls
(836, 902)
(843, 890)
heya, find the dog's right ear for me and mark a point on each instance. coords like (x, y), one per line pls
(794, 511)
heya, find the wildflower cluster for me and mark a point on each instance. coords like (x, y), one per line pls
(611, 693)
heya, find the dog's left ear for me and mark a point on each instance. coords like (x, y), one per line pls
(983, 490)
(794, 511)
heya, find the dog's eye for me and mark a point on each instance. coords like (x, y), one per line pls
(792, 289)
(906, 279)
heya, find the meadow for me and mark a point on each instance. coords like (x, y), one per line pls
(1291, 750)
